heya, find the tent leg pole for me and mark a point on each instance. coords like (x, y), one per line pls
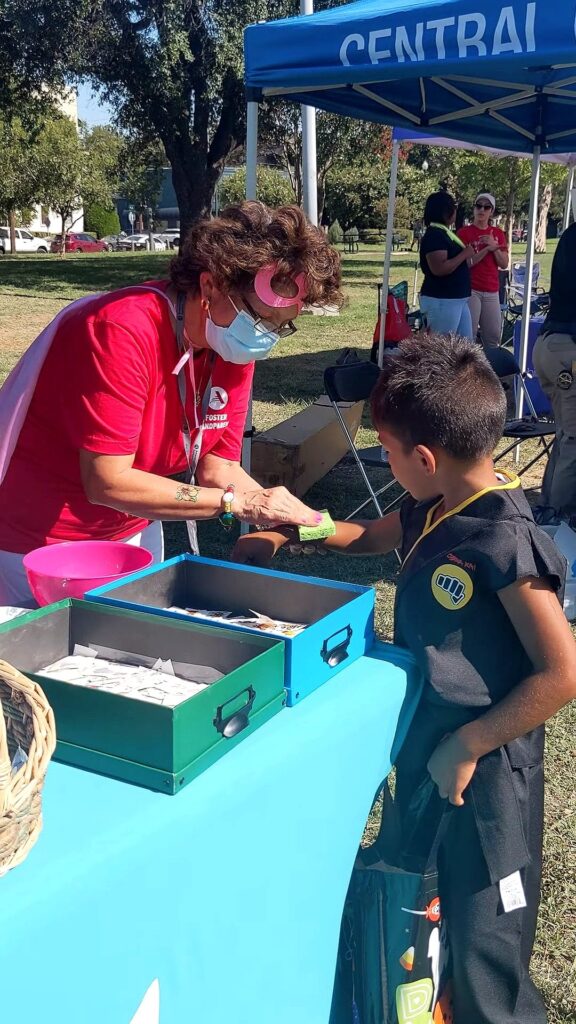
(388, 251)
(251, 149)
(309, 168)
(251, 166)
(567, 204)
(525, 325)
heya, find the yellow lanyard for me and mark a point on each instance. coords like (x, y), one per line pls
(429, 526)
(451, 234)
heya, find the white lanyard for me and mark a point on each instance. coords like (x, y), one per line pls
(192, 451)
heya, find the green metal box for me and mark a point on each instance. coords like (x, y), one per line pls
(148, 744)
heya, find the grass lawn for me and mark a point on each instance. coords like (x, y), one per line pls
(33, 289)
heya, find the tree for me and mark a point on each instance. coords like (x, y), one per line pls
(19, 179)
(545, 200)
(173, 71)
(338, 140)
(101, 220)
(76, 168)
(141, 166)
(274, 188)
(403, 212)
(354, 192)
(36, 40)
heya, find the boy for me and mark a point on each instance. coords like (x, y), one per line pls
(477, 604)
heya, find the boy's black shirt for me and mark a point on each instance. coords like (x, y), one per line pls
(449, 615)
(447, 609)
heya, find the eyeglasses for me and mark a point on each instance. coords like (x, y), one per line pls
(482, 206)
(283, 331)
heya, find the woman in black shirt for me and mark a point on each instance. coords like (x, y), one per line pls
(444, 260)
(554, 359)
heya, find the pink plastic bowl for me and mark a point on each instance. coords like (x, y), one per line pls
(56, 571)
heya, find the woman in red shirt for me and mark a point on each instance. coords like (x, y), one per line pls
(151, 381)
(491, 255)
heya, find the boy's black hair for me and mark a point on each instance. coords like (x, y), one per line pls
(439, 207)
(440, 391)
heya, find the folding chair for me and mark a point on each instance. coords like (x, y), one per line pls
(512, 287)
(529, 428)
(354, 382)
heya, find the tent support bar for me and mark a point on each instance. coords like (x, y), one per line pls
(388, 252)
(512, 125)
(386, 103)
(525, 324)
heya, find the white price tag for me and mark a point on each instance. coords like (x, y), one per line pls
(512, 893)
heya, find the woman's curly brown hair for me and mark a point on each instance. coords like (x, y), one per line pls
(244, 238)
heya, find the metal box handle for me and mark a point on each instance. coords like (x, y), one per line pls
(335, 647)
(230, 725)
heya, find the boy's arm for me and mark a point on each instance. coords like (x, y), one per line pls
(539, 621)
(370, 537)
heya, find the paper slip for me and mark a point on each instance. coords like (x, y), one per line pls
(134, 681)
(255, 620)
(512, 892)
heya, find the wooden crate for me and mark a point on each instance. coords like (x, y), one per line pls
(301, 450)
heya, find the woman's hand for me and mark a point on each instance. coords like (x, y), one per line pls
(273, 506)
(491, 243)
(468, 252)
(258, 548)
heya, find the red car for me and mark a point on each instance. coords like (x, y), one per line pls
(78, 243)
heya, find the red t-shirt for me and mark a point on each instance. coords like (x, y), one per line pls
(107, 386)
(484, 276)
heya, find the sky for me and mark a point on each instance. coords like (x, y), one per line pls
(90, 110)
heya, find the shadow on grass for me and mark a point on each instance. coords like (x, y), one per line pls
(56, 277)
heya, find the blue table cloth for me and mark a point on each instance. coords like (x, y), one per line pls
(230, 894)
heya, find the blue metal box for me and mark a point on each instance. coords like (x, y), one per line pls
(339, 616)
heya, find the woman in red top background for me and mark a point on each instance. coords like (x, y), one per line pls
(153, 380)
(490, 257)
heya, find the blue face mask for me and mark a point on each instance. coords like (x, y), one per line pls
(243, 341)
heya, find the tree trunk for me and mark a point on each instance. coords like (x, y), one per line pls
(545, 202)
(193, 179)
(12, 226)
(321, 195)
(63, 214)
(509, 223)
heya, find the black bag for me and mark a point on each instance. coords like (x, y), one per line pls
(393, 963)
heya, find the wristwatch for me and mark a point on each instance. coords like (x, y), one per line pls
(227, 517)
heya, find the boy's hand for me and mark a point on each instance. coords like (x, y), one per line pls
(451, 767)
(258, 548)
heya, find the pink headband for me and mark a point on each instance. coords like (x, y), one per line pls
(263, 289)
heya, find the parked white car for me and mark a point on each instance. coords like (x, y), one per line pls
(171, 236)
(142, 241)
(25, 241)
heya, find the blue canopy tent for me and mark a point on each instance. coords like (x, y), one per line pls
(502, 76)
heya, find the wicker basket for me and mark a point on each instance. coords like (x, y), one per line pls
(26, 721)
